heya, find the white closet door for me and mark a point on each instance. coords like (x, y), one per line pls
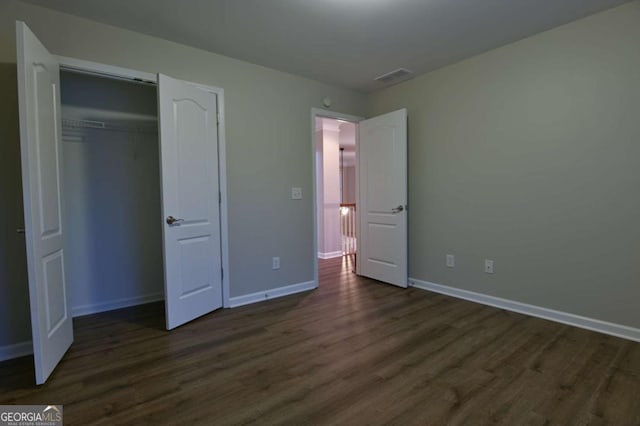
(190, 191)
(41, 151)
(382, 159)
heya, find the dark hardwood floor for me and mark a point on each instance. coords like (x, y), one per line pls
(352, 352)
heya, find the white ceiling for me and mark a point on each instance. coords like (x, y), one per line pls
(342, 42)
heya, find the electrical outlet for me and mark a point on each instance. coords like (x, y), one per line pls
(296, 193)
(451, 261)
(275, 263)
(488, 266)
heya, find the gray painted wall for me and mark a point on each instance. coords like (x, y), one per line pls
(530, 155)
(319, 160)
(330, 173)
(113, 235)
(349, 184)
(268, 149)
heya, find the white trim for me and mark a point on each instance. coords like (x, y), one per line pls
(16, 350)
(330, 255)
(356, 172)
(319, 112)
(106, 70)
(261, 296)
(224, 206)
(78, 311)
(592, 324)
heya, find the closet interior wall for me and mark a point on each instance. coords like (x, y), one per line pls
(112, 192)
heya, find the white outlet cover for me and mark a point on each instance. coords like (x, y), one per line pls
(450, 261)
(488, 266)
(296, 193)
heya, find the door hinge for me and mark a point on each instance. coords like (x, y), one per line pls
(222, 274)
(218, 118)
(219, 197)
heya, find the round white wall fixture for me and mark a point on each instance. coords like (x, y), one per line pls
(326, 101)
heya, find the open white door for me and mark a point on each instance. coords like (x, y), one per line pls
(382, 204)
(40, 137)
(190, 200)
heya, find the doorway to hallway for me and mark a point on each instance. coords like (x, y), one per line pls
(335, 164)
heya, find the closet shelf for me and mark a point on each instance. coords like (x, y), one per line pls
(70, 124)
(82, 124)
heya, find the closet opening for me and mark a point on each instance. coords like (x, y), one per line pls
(112, 192)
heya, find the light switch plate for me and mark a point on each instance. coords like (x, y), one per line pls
(296, 193)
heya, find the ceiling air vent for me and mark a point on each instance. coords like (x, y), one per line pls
(395, 76)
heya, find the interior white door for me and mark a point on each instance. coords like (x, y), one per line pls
(382, 204)
(190, 200)
(41, 152)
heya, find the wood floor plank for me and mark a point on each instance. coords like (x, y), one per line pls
(354, 351)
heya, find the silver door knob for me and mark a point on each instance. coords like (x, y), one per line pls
(397, 209)
(20, 230)
(171, 220)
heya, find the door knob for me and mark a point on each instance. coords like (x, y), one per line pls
(397, 209)
(171, 220)
(20, 230)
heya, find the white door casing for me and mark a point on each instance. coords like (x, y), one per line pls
(382, 204)
(190, 199)
(41, 152)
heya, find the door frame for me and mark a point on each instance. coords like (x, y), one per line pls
(324, 113)
(110, 71)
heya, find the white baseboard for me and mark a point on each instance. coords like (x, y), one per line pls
(16, 350)
(78, 311)
(613, 329)
(330, 255)
(261, 296)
